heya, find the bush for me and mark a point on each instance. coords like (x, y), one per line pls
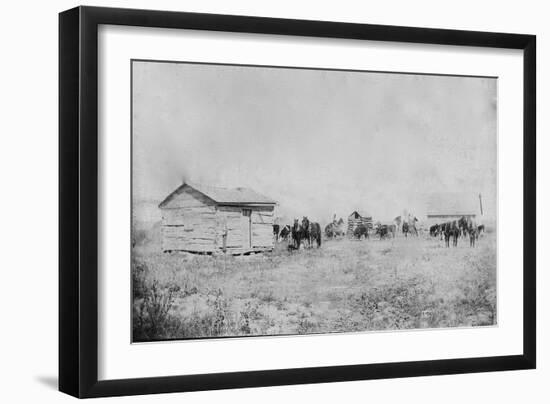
(306, 325)
(153, 300)
(398, 306)
(415, 303)
(214, 320)
(250, 313)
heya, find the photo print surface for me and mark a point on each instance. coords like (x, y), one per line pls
(282, 201)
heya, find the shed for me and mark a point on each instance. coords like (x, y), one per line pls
(205, 219)
(453, 206)
(356, 218)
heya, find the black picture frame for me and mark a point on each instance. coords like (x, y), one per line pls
(78, 201)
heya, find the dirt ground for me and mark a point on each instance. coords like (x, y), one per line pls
(344, 286)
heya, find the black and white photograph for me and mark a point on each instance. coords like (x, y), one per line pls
(273, 200)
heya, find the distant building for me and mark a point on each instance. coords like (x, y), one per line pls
(453, 206)
(205, 219)
(356, 218)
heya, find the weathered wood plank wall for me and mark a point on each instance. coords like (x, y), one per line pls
(193, 222)
(189, 223)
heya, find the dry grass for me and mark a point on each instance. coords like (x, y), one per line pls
(344, 286)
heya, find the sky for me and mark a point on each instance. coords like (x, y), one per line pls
(319, 142)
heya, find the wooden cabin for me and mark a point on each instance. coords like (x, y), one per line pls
(446, 207)
(356, 218)
(204, 219)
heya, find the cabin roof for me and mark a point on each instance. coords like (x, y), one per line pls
(360, 213)
(453, 204)
(231, 196)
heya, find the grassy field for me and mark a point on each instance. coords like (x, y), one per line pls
(344, 286)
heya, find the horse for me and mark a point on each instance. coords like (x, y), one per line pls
(385, 230)
(340, 228)
(447, 233)
(285, 232)
(330, 232)
(473, 232)
(451, 230)
(434, 230)
(297, 234)
(276, 228)
(361, 231)
(405, 229)
(409, 228)
(333, 230)
(412, 225)
(305, 230)
(463, 226)
(382, 231)
(455, 234)
(480, 229)
(314, 233)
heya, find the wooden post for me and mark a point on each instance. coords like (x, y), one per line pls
(480, 205)
(224, 237)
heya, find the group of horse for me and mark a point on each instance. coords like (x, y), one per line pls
(464, 227)
(310, 231)
(380, 230)
(385, 230)
(361, 231)
(306, 233)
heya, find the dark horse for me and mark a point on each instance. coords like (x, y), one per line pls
(361, 231)
(451, 230)
(283, 235)
(447, 233)
(276, 228)
(464, 225)
(305, 230)
(473, 232)
(405, 228)
(409, 228)
(297, 235)
(434, 230)
(385, 230)
(314, 233)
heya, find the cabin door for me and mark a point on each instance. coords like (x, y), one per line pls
(247, 228)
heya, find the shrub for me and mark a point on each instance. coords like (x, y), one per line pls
(153, 300)
(220, 313)
(214, 320)
(398, 306)
(250, 313)
(305, 323)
